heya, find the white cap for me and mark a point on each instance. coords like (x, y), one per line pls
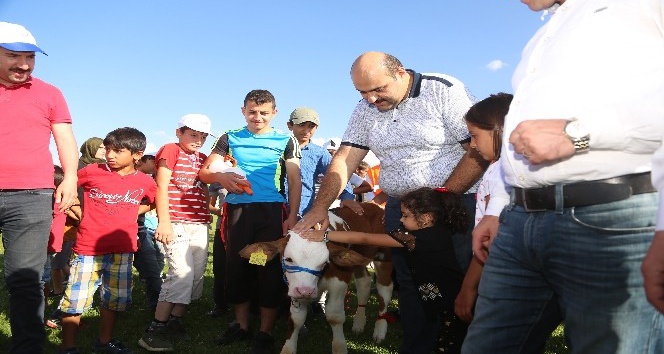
(332, 144)
(17, 39)
(197, 122)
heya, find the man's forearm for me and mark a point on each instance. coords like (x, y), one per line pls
(330, 189)
(467, 172)
(337, 175)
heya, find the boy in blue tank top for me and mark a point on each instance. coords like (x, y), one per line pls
(267, 156)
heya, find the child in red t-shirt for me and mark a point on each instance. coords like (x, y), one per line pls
(106, 239)
(184, 221)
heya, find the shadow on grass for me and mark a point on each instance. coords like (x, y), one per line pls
(203, 329)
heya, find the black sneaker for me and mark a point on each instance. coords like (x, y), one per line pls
(155, 339)
(176, 330)
(263, 344)
(233, 334)
(112, 347)
(54, 320)
(53, 323)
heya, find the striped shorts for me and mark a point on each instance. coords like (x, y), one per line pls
(111, 271)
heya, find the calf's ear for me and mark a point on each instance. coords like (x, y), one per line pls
(344, 257)
(271, 249)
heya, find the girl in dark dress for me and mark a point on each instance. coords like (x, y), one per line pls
(429, 218)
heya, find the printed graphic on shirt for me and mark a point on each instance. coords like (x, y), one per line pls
(115, 202)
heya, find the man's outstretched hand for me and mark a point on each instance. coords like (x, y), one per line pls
(315, 218)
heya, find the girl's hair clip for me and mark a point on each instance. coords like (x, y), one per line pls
(442, 190)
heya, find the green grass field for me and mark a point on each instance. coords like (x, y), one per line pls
(203, 329)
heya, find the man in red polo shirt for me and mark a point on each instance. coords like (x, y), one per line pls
(30, 111)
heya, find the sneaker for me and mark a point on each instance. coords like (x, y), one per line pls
(54, 320)
(263, 344)
(52, 323)
(233, 334)
(176, 330)
(154, 339)
(112, 347)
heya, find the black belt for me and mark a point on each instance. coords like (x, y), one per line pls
(584, 193)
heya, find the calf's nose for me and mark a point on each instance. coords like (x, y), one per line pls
(305, 291)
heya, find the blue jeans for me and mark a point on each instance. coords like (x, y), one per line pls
(149, 262)
(25, 222)
(579, 265)
(419, 330)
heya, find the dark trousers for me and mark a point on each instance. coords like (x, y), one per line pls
(25, 223)
(149, 262)
(219, 271)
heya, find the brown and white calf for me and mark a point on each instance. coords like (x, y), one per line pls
(313, 267)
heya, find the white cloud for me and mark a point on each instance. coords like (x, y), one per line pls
(319, 141)
(496, 65)
(322, 141)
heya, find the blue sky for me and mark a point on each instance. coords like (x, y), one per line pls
(146, 63)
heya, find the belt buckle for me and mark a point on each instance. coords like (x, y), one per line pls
(524, 197)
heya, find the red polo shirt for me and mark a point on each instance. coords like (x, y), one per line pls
(27, 113)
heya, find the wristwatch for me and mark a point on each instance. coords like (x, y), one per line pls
(578, 134)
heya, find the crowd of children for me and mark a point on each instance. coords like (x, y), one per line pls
(120, 183)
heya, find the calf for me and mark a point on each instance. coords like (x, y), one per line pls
(313, 267)
(372, 222)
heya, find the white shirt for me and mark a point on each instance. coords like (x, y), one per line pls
(369, 196)
(602, 62)
(492, 195)
(355, 180)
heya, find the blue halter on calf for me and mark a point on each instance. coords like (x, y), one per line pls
(297, 269)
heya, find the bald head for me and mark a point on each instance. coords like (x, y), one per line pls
(374, 61)
(381, 79)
